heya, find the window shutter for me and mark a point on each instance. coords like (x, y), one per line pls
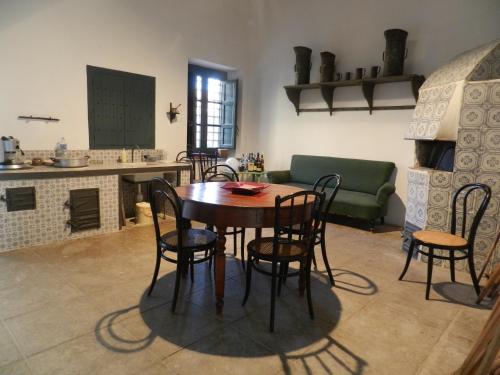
(121, 109)
(106, 102)
(191, 116)
(139, 124)
(228, 127)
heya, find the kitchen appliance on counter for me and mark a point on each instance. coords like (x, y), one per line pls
(71, 162)
(8, 154)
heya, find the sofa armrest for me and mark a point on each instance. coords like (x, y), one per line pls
(384, 192)
(278, 177)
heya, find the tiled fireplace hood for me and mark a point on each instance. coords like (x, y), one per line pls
(459, 103)
(440, 106)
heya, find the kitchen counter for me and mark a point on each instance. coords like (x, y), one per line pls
(92, 170)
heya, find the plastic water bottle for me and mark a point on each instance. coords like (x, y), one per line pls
(61, 148)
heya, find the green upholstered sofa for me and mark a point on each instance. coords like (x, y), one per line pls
(364, 191)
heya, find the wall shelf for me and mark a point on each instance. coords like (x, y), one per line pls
(367, 85)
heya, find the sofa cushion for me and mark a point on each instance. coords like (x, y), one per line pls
(349, 203)
(359, 175)
(356, 204)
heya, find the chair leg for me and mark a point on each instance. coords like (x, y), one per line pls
(285, 273)
(273, 296)
(408, 259)
(191, 267)
(243, 247)
(430, 264)
(314, 261)
(302, 275)
(308, 290)
(325, 259)
(155, 273)
(235, 242)
(280, 279)
(472, 271)
(452, 265)
(179, 271)
(382, 220)
(248, 280)
(215, 263)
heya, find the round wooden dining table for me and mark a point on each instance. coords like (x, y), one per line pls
(211, 204)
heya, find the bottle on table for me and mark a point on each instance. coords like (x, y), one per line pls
(241, 167)
(251, 164)
(258, 167)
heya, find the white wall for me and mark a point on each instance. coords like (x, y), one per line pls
(46, 46)
(353, 30)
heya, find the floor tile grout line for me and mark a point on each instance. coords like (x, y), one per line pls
(67, 340)
(445, 331)
(18, 347)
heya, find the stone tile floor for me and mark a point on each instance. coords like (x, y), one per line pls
(80, 307)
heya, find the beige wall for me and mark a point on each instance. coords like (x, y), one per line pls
(353, 30)
(46, 46)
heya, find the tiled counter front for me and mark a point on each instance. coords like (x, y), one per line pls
(47, 223)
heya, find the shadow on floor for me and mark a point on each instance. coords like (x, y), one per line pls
(363, 286)
(296, 331)
(459, 293)
(362, 224)
(349, 362)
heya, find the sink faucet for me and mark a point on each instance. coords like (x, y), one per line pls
(138, 149)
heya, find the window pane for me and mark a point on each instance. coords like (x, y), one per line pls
(198, 87)
(214, 90)
(213, 136)
(214, 113)
(198, 136)
(198, 112)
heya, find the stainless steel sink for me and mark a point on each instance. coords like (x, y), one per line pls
(142, 177)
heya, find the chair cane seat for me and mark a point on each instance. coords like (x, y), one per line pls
(191, 239)
(439, 238)
(264, 248)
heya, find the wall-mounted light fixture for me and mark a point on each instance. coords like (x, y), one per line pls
(174, 111)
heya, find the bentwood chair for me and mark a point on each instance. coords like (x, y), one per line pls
(453, 242)
(329, 184)
(183, 242)
(203, 161)
(183, 157)
(223, 172)
(287, 245)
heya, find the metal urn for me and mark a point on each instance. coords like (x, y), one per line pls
(327, 68)
(395, 52)
(302, 64)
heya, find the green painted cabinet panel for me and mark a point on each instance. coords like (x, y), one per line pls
(121, 109)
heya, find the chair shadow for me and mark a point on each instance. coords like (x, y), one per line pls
(455, 293)
(177, 325)
(366, 286)
(461, 294)
(346, 359)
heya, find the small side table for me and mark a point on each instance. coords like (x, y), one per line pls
(253, 176)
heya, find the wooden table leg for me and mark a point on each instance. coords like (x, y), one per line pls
(220, 268)
(258, 233)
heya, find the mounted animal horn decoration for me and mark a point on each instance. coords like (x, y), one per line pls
(174, 111)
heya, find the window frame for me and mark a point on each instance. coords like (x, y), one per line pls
(206, 74)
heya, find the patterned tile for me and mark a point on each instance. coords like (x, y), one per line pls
(97, 156)
(48, 222)
(477, 153)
